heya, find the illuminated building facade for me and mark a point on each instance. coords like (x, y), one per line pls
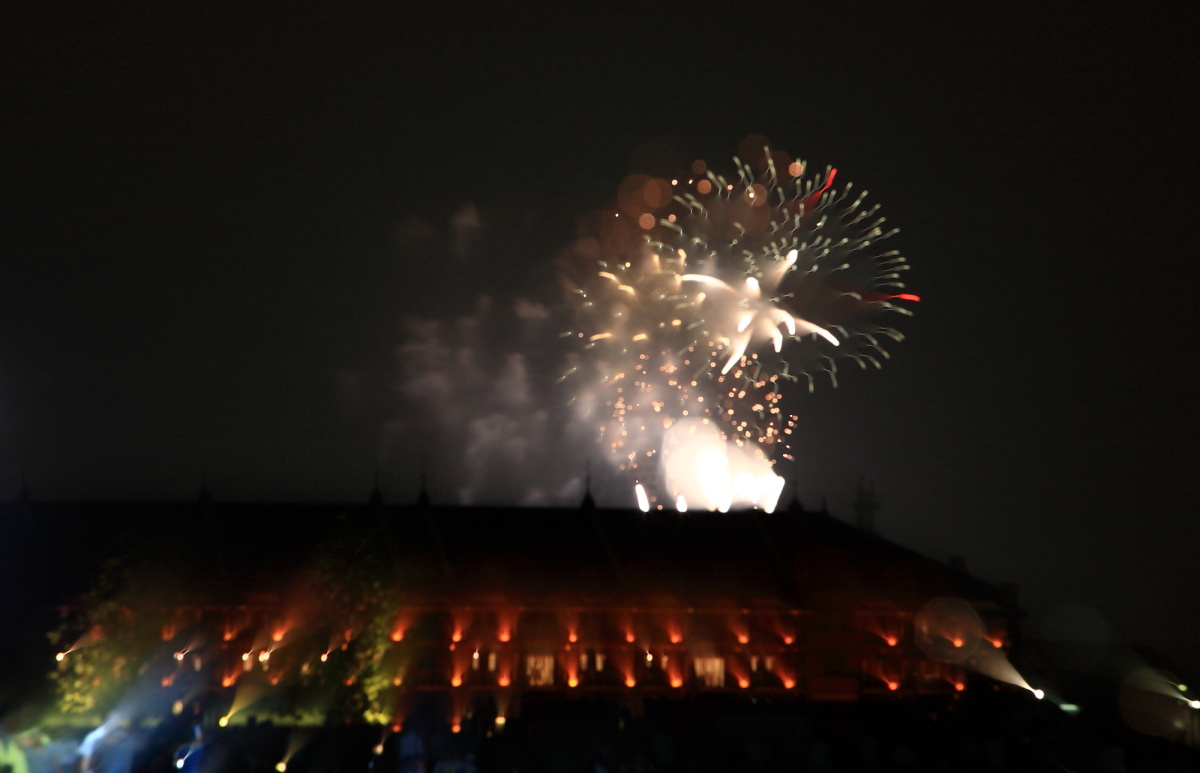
(488, 606)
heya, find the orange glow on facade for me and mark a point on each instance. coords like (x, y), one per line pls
(456, 728)
(521, 643)
(401, 625)
(570, 666)
(168, 632)
(461, 624)
(738, 627)
(506, 623)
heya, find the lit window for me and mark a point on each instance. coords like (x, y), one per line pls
(754, 664)
(492, 662)
(539, 670)
(710, 671)
(599, 661)
(583, 659)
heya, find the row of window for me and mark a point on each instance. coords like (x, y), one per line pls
(541, 670)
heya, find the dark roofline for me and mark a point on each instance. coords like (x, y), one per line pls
(617, 535)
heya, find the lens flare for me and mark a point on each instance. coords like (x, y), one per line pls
(695, 310)
(948, 629)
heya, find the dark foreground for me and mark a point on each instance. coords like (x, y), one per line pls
(996, 732)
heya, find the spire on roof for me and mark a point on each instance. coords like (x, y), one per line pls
(866, 505)
(423, 494)
(795, 506)
(588, 503)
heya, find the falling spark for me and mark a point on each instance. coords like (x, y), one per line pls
(643, 502)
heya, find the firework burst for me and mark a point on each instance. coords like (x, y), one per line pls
(699, 300)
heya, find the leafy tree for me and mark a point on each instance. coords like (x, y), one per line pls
(108, 638)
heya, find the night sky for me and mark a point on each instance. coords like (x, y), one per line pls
(239, 244)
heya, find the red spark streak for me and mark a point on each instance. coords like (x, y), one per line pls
(811, 199)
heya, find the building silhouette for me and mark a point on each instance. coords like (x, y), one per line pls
(497, 606)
